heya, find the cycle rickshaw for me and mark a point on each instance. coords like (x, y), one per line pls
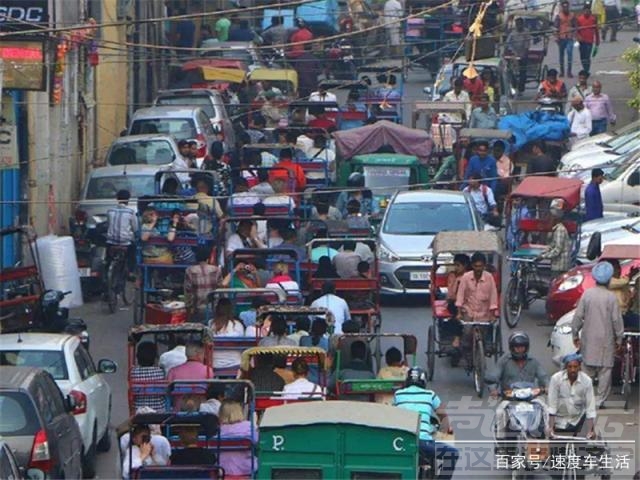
(538, 23)
(528, 224)
(440, 333)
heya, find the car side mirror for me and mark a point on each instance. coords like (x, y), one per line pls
(107, 366)
(594, 249)
(70, 403)
(634, 179)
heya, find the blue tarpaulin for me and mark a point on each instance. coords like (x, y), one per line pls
(535, 125)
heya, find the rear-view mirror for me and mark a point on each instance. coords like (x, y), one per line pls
(107, 366)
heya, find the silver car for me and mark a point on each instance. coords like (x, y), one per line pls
(411, 221)
(160, 150)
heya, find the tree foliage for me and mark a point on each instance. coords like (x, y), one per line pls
(632, 56)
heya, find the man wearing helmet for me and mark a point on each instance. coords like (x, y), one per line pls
(598, 316)
(514, 367)
(416, 397)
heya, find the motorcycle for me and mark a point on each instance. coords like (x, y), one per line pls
(89, 237)
(52, 318)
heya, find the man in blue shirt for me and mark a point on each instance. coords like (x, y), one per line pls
(592, 196)
(415, 397)
(484, 165)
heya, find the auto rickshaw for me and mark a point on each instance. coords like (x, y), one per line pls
(352, 440)
(285, 80)
(164, 336)
(442, 330)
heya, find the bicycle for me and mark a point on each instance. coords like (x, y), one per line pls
(478, 353)
(629, 367)
(116, 278)
(593, 447)
(521, 291)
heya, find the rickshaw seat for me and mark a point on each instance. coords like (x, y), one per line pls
(441, 280)
(543, 225)
(180, 472)
(441, 309)
(347, 284)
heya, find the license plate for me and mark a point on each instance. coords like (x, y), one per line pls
(84, 272)
(524, 407)
(419, 276)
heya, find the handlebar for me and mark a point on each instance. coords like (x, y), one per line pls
(631, 334)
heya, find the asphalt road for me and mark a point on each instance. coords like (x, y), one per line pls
(471, 416)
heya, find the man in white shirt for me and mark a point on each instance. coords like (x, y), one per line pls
(579, 120)
(459, 95)
(322, 95)
(336, 305)
(393, 12)
(482, 196)
(321, 153)
(174, 357)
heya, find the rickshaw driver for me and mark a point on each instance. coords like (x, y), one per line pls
(559, 249)
(551, 87)
(416, 397)
(513, 367)
(477, 300)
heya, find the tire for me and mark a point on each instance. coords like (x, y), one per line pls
(626, 380)
(513, 303)
(111, 294)
(499, 351)
(479, 367)
(125, 293)
(431, 353)
(90, 460)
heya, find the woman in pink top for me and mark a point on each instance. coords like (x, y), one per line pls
(234, 425)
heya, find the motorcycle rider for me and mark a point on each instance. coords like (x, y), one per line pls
(123, 227)
(416, 397)
(513, 367)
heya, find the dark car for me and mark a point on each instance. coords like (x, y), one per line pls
(36, 423)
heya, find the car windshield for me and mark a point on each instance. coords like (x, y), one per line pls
(50, 360)
(202, 101)
(427, 218)
(18, 415)
(385, 181)
(621, 140)
(621, 167)
(152, 152)
(107, 187)
(180, 128)
(232, 54)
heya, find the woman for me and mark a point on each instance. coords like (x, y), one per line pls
(277, 334)
(215, 163)
(155, 253)
(244, 275)
(282, 279)
(233, 424)
(224, 324)
(147, 371)
(325, 268)
(301, 387)
(487, 82)
(145, 451)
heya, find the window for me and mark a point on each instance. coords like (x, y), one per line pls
(107, 187)
(386, 180)
(202, 101)
(18, 415)
(146, 152)
(296, 474)
(180, 128)
(50, 360)
(427, 218)
(84, 369)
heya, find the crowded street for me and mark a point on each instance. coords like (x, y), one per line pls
(355, 267)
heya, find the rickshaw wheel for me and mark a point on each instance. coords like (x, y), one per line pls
(479, 366)
(498, 344)
(512, 304)
(431, 353)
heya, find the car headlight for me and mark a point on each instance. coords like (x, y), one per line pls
(571, 282)
(386, 255)
(563, 329)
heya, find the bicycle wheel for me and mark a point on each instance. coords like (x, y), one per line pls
(498, 343)
(431, 353)
(125, 294)
(479, 366)
(626, 379)
(513, 302)
(111, 293)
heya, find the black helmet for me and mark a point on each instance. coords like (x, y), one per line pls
(417, 377)
(519, 339)
(356, 179)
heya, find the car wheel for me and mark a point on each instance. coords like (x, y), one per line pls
(90, 459)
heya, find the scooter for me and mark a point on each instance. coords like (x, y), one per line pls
(52, 318)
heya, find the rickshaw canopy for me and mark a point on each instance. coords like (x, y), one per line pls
(342, 412)
(466, 241)
(368, 139)
(135, 333)
(275, 75)
(216, 74)
(568, 189)
(626, 248)
(281, 350)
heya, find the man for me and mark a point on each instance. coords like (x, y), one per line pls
(565, 25)
(588, 36)
(581, 89)
(613, 10)
(484, 165)
(592, 197)
(287, 169)
(322, 95)
(346, 262)
(598, 317)
(504, 166)
(199, 281)
(241, 32)
(355, 220)
(175, 356)
(415, 397)
(263, 187)
(122, 228)
(222, 27)
(551, 87)
(392, 14)
(357, 368)
(242, 195)
(558, 250)
(599, 104)
(320, 152)
(484, 116)
(194, 368)
(476, 300)
(298, 38)
(289, 237)
(335, 304)
(458, 95)
(518, 43)
(580, 120)
(540, 162)
(276, 34)
(185, 152)
(483, 199)
(571, 402)
(513, 367)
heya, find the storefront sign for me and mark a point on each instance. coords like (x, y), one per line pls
(8, 147)
(24, 65)
(21, 15)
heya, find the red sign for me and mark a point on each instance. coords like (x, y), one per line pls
(24, 65)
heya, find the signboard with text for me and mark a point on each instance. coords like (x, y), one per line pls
(21, 15)
(24, 65)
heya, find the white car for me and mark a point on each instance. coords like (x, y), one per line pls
(598, 154)
(71, 366)
(606, 137)
(612, 229)
(561, 339)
